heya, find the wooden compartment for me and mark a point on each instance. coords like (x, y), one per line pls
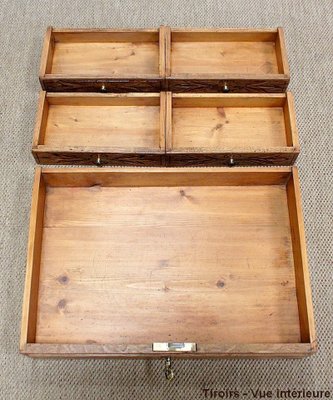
(180, 60)
(100, 129)
(119, 259)
(102, 60)
(227, 60)
(164, 129)
(231, 129)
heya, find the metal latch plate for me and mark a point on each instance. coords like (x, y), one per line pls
(165, 346)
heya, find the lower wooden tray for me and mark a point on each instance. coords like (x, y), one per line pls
(119, 259)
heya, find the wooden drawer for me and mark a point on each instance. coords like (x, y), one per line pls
(120, 259)
(100, 129)
(180, 60)
(231, 129)
(93, 60)
(165, 129)
(227, 60)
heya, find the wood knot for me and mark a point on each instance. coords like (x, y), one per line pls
(63, 279)
(220, 284)
(62, 304)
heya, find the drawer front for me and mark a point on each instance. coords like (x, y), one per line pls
(227, 86)
(101, 85)
(111, 159)
(225, 159)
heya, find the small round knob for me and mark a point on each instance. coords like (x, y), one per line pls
(99, 161)
(225, 88)
(231, 162)
(103, 89)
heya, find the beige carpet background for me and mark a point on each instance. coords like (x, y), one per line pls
(309, 36)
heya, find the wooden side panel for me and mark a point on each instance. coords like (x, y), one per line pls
(47, 55)
(257, 351)
(239, 85)
(281, 52)
(29, 308)
(72, 177)
(194, 159)
(67, 84)
(303, 287)
(99, 159)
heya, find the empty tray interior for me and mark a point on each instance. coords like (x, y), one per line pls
(216, 122)
(226, 52)
(108, 121)
(84, 53)
(142, 257)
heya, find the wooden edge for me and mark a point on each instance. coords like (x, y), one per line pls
(33, 259)
(103, 30)
(130, 170)
(231, 76)
(145, 350)
(303, 286)
(47, 54)
(40, 119)
(165, 51)
(224, 30)
(79, 95)
(168, 122)
(159, 176)
(281, 53)
(255, 151)
(100, 78)
(162, 121)
(231, 95)
(40, 149)
(290, 107)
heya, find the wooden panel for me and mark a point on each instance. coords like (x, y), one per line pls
(60, 83)
(236, 84)
(303, 286)
(159, 177)
(191, 158)
(294, 350)
(108, 126)
(236, 254)
(218, 127)
(112, 59)
(223, 57)
(29, 308)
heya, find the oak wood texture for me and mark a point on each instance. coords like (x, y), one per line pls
(116, 129)
(180, 60)
(127, 257)
(164, 129)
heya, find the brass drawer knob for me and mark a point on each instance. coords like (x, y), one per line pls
(103, 89)
(98, 161)
(225, 88)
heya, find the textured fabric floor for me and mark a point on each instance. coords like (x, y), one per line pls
(309, 32)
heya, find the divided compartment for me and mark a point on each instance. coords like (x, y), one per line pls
(100, 129)
(121, 258)
(165, 129)
(102, 60)
(231, 129)
(180, 60)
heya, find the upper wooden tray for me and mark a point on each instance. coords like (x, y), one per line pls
(119, 259)
(181, 60)
(164, 129)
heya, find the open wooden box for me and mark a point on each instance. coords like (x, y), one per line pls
(164, 129)
(181, 60)
(205, 262)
